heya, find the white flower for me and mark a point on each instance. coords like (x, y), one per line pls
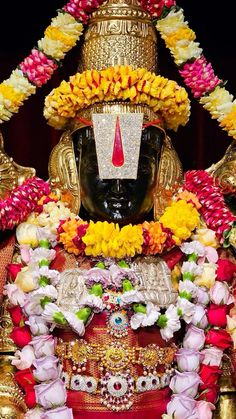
(148, 319)
(44, 233)
(189, 287)
(193, 247)
(53, 48)
(51, 274)
(41, 253)
(24, 359)
(37, 325)
(173, 323)
(199, 318)
(187, 309)
(34, 413)
(129, 297)
(47, 291)
(49, 311)
(192, 268)
(76, 324)
(93, 301)
(15, 294)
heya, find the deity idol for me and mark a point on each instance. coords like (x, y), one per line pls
(117, 275)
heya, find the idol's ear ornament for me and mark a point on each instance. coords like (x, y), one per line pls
(225, 170)
(11, 173)
(169, 177)
(63, 173)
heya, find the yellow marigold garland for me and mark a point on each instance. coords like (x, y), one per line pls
(109, 240)
(117, 83)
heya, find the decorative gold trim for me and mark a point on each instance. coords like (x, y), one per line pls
(12, 405)
(6, 343)
(11, 173)
(169, 178)
(114, 108)
(63, 174)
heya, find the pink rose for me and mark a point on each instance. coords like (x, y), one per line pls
(15, 294)
(37, 325)
(212, 356)
(185, 382)
(43, 345)
(194, 338)
(220, 293)
(182, 407)
(204, 409)
(60, 412)
(23, 359)
(199, 318)
(202, 296)
(188, 359)
(46, 368)
(34, 413)
(51, 395)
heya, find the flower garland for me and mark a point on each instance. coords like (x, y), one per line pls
(203, 304)
(197, 73)
(117, 83)
(36, 69)
(21, 202)
(214, 210)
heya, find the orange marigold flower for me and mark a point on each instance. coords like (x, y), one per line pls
(157, 237)
(189, 197)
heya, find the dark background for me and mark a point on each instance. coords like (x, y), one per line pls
(29, 140)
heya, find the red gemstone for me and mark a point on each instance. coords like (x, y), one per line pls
(118, 154)
(117, 386)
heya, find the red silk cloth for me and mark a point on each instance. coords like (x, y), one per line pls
(151, 405)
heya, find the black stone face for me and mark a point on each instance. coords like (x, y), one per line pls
(121, 201)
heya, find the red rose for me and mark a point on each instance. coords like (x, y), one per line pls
(217, 315)
(209, 393)
(225, 270)
(25, 378)
(30, 398)
(17, 316)
(13, 269)
(173, 257)
(21, 336)
(219, 338)
(209, 374)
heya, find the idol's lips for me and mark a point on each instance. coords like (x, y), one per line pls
(118, 202)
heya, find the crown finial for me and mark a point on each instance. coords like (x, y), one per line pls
(120, 32)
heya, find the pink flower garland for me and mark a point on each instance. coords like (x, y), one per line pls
(199, 76)
(38, 67)
(156, 8)
(214, 210)
(22, 201)
(82, 9)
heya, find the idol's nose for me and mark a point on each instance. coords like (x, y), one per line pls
(118, 187)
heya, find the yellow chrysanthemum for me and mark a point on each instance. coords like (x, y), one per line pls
(107, 239)
(118, 83)
(183, 33)
(14, 97)
(67, 24)
(57, 35)
(219, 102)
(228, 123)
(181, 218)
(53, 48)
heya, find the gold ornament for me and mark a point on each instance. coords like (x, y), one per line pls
(120, 32)
(11, 173)
(225, 170)
(12, 405)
